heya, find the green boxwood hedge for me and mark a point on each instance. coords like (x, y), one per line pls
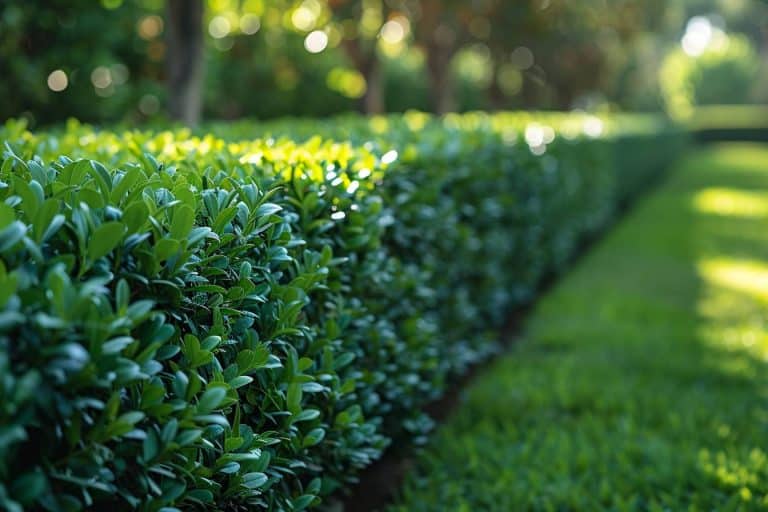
(244, 318)
(719, 123)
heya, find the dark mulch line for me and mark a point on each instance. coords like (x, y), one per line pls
(379, 482)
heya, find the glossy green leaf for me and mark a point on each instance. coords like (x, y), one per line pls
(105, 238)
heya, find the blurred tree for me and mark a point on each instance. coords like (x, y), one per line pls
(104, 60)
(440, 30)
(61, 58)
(360, 22)
(184, 57)
(509, 29)
(556, 51)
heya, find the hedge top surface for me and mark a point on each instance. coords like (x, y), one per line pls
(389, 131)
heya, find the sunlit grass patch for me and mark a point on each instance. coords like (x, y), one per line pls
(749, 277)
(731, 202)
(733, 309)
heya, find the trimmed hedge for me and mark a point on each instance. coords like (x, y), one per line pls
(227, 323)
(720, 123)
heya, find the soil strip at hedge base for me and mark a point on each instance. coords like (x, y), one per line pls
(379, 481)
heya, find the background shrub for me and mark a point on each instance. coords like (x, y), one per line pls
(724, 73)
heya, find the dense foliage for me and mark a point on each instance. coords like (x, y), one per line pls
(190, 321)
(639, 384)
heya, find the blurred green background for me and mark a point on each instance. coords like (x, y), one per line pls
(113, 60)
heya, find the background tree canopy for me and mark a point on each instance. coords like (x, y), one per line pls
(133, 60)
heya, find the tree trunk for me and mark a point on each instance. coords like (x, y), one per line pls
(373, 99)
(439, 39)
(496, 97)
(531, 92)
(367, 63)
(184, 19)
(565, 97)
(440, 79)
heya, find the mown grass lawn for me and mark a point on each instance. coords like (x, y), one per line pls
(642, 380)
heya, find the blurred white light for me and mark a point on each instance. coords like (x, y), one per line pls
(593, 127)
(698, 36)
(252, 158)
(393, 32)
(387, 158)
(352, 187)
(57, 80)
(316, 41)
(534, 135)
(219, 27)
(338, 215)
(549, 134)
(303, 18)
(250, 24)
(101, 78)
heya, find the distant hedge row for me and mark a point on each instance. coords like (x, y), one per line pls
(226, 323)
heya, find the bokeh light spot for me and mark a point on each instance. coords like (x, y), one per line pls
(219, 27)
(149, 104)
(303, 18)
(101, 78)
(522, 58)
(316, 41)
(698, 35)
(120, 73)
(347, 82)
(57, 80)
(250, 24)
(389, 157)
(510, 80)
(393, 32)
(593, 126)
(149, 27)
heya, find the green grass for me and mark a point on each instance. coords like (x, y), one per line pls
(641, 381)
